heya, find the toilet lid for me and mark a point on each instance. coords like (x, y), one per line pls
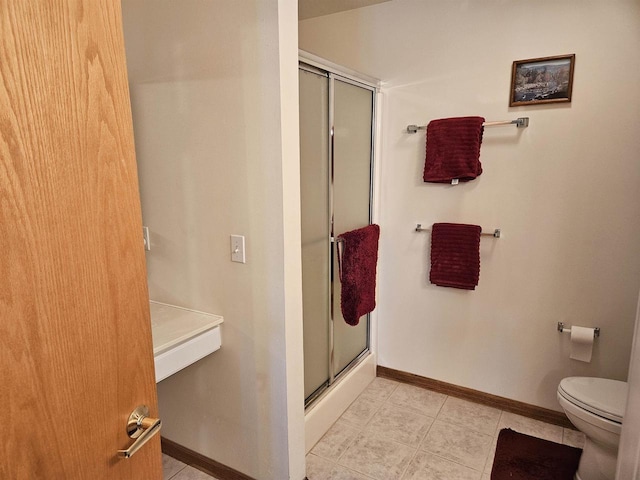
(600, 396)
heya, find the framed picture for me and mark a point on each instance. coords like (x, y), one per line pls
(542, 80)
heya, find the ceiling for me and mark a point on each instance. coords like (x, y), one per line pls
(317, 8)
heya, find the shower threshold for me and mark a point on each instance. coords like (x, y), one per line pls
(327, 408)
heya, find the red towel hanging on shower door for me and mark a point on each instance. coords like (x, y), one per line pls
(357, 262)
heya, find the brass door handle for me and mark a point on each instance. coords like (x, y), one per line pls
(141, 427)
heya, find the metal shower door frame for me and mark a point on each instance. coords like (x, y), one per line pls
(332, 77)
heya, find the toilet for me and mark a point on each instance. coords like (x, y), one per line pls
(596, 407)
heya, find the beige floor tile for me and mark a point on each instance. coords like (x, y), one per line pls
(377, 457)
(529, 426)
(401, 425)
(361, 411)
(426, 466)
(573, 438)
(458, 444)
(190, 473)
(342, 473)
(170, 466)
(491, 457)
(380, 389)
(321, 469)
(333, 444)
(318, 468)
(473, 416)
(417, 399)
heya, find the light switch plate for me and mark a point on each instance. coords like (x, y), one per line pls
(237, 249)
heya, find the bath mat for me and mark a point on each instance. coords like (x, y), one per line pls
(522, 457)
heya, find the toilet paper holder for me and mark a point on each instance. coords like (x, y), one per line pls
(562, 328)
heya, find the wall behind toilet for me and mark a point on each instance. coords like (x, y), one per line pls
(565, 191)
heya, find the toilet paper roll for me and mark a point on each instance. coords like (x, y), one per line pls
(582, 343)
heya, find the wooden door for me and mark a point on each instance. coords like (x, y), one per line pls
(75, 337)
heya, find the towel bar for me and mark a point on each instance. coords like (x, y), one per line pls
(561, 328)
(521, 122)
(496, 233)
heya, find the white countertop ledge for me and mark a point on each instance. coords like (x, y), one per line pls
(181, 336)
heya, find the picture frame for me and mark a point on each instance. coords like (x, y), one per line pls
(538, 81)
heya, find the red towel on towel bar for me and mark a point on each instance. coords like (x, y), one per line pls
(357, 262)
(455, 255)
(453, 149)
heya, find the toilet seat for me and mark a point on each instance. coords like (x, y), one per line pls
(603, 397)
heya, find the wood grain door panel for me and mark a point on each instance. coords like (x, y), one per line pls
(75, 335)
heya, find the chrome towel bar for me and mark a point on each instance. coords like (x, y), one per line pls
(521, 122)
(496, 233)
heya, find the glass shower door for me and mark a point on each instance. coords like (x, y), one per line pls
(352, 149)
(316, 247)
(336, 118)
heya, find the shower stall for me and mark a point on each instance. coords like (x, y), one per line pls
(337, 120)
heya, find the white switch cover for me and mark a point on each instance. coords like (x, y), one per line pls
(237, 249)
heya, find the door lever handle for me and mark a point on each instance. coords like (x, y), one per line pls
(141, 427)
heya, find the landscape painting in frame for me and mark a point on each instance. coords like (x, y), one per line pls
(542, 80)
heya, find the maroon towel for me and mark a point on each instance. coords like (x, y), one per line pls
(455, 255)
(453, 149)
(357, 266)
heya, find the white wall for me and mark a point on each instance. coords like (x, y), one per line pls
(564, 191)
(214, 95)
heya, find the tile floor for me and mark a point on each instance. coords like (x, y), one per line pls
(395, 431)
(173, 469)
